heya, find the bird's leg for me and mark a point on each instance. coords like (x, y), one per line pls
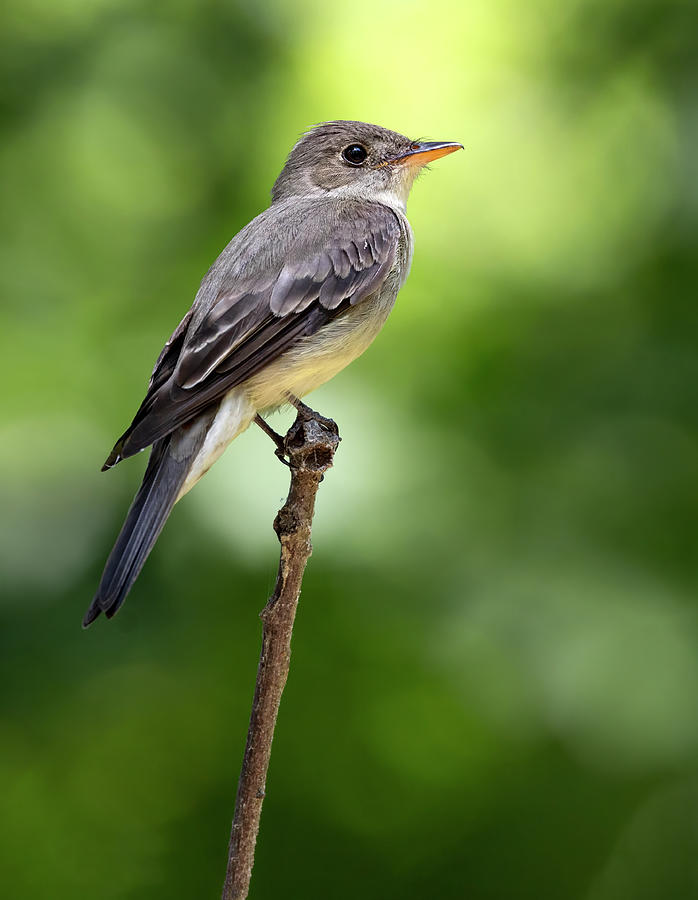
(280, 451)
(306, 413)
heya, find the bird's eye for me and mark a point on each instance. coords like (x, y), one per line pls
(354, 154)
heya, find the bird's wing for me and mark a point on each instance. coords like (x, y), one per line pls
(252, 322)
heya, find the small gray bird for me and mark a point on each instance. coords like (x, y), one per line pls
(296, 295)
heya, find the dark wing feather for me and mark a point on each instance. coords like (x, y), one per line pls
(250, 325)
(167, 361)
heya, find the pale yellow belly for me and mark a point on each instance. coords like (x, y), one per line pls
(315, 359)
(307, 365)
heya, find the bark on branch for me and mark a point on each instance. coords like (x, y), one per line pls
(309, 446)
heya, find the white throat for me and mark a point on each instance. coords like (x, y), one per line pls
(394, 196)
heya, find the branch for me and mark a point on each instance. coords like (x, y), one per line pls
(309, 445)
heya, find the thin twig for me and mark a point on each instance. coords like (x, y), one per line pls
(310, 445)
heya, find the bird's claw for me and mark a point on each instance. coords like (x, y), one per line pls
(307, 414)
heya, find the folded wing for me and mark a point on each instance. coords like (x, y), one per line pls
(254, 321)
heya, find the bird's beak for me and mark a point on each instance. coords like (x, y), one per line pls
(422, 153)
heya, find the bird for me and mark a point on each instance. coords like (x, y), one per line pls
(297, 294)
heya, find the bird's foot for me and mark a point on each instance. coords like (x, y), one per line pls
(309, 428)
(312, 440)
(306, 414)
(278, 439)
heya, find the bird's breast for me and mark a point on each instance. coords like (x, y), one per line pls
(320, 356)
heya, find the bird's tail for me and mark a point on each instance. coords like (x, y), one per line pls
(170, 461)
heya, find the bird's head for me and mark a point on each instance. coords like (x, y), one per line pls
(356, 160)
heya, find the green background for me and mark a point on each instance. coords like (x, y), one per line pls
(494, 685)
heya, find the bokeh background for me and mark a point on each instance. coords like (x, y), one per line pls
(494, 686)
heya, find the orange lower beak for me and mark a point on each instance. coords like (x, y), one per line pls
(426, 151)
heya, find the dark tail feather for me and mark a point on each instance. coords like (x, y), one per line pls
(169, 463)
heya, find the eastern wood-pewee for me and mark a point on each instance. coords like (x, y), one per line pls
(296, 295)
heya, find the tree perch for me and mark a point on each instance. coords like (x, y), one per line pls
(309, 447)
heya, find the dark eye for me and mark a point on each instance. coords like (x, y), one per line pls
(354, 154)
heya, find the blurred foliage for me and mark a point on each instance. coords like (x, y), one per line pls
(495, 680)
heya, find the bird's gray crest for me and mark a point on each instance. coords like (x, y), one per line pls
(315, 161)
